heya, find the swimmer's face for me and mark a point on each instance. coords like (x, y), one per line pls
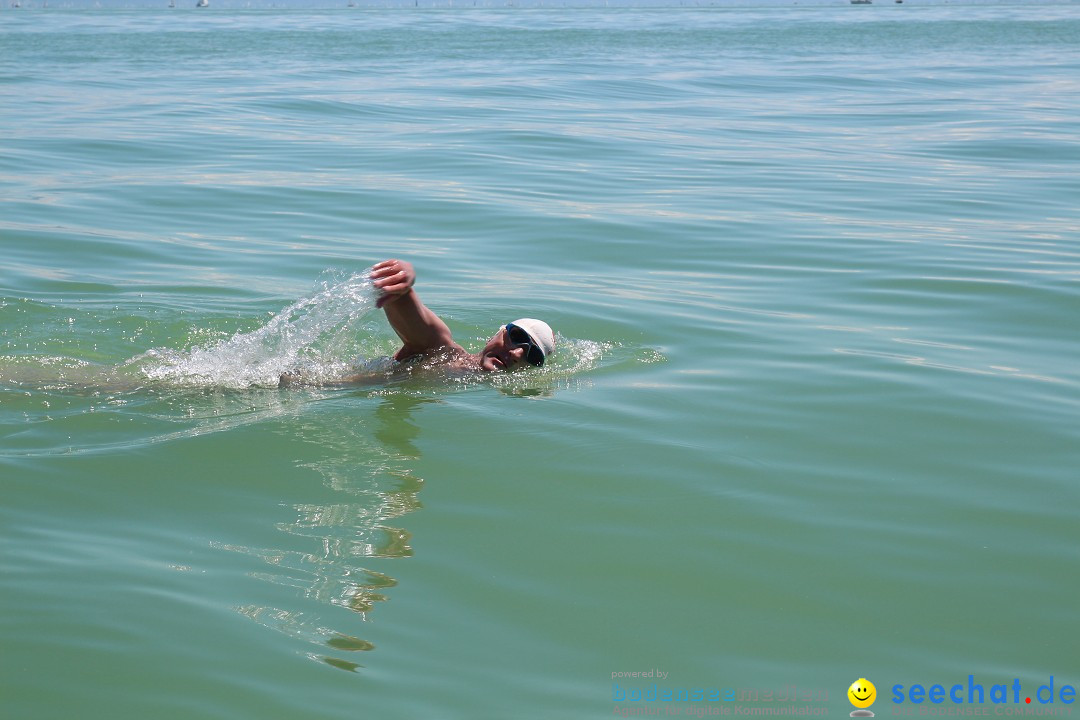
(501, 354)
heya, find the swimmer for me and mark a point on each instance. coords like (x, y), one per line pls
(424, 335)
(427, 343)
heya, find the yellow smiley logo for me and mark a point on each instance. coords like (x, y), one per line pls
(862, 693)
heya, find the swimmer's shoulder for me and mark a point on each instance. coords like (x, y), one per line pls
(451, 355)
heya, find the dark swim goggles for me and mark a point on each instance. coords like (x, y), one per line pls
(518, 336)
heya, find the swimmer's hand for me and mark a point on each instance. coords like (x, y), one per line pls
(394, 278)
(421, 331)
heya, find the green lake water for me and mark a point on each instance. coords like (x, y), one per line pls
(814, 417)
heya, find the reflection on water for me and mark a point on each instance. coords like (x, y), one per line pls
(302, 627)
(368, 466)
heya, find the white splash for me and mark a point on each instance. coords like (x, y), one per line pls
(315, 336)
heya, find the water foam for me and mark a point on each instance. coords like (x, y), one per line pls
(316, 336)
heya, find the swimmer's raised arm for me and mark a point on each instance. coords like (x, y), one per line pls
(419, 328)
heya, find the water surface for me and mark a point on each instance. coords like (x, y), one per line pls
(815, 414)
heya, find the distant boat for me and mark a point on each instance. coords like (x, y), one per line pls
(203, 3)
(862, 2)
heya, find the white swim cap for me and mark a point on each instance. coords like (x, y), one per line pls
(540, 332)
